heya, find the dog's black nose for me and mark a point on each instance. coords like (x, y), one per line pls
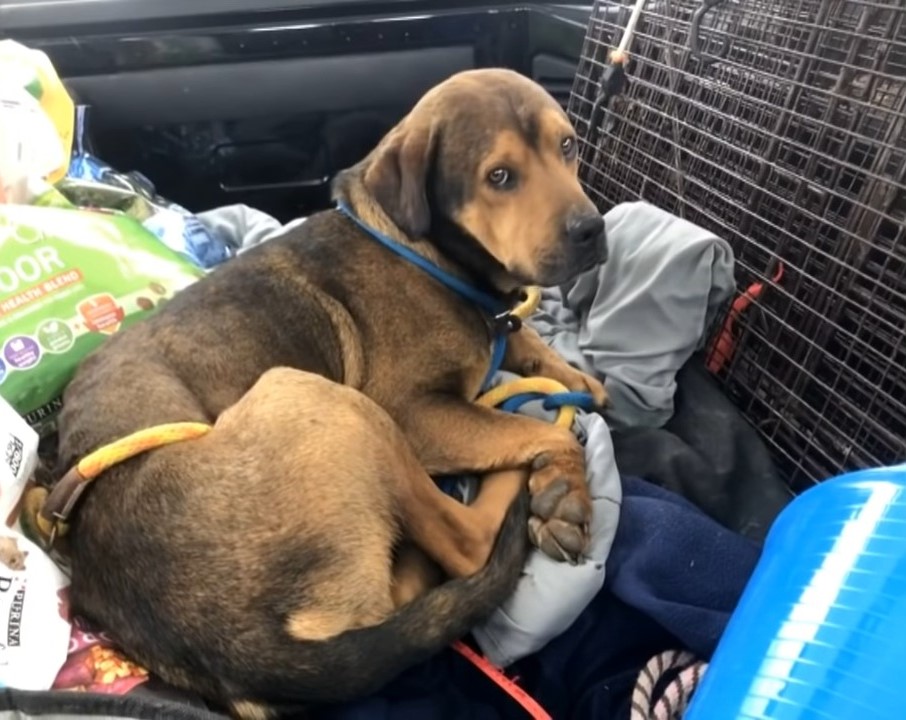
(587, 239)
(585, 229)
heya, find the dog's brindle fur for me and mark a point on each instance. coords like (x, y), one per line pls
(277, 560)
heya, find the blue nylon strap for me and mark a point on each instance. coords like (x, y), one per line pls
(512, 404)
(483, 300)
(497, 354)
(581, 400)
(487, 303)
(552, 401)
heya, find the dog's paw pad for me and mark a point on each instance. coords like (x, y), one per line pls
(558, 540)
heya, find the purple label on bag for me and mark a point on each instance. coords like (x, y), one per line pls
(21, 352)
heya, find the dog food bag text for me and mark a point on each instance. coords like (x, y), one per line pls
(20, 457)
(34, 632)
(69, 279)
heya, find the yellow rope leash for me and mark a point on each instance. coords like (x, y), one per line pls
(504, 391)
(529, 305)
(128, 447)
(55, 510)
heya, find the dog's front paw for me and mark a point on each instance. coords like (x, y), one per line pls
(561, 505)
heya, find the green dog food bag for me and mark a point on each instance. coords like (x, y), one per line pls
(69, 279)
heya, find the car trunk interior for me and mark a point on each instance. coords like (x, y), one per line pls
(768, 136)
(262, 107)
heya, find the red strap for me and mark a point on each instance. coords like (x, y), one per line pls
(526, 701)
(724, 346)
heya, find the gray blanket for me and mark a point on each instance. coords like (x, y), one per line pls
(633, 321)
(638, 318)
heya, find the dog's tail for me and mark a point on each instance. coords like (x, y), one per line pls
(358, 662)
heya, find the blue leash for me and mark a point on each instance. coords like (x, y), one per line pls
(553, 401)
(503, 321)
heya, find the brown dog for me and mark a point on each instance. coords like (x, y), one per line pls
(271, 561)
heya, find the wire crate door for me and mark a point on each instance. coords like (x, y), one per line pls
(779, 126)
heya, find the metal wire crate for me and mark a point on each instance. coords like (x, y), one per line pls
(777, 124)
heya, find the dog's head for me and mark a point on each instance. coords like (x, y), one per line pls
(486, 167)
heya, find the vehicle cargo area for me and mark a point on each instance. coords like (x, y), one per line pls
(744, 555)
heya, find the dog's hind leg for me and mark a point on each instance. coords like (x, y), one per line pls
(453, 436)
(348, 436)
(472, 529)
(458, 537)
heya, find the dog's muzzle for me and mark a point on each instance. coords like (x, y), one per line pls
(586, 238)
(583, 246)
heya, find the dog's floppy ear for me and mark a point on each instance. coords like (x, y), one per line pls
(398, 175)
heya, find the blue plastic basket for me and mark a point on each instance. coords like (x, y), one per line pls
(820, 632)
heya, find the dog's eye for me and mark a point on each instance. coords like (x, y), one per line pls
(500, 177)
(568, 146)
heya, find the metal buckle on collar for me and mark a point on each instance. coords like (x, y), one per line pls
(61, 500)
(506, 322)
(52, 537)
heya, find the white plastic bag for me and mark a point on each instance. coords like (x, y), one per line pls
(36, 123)
(34, 630)
(19, 446)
